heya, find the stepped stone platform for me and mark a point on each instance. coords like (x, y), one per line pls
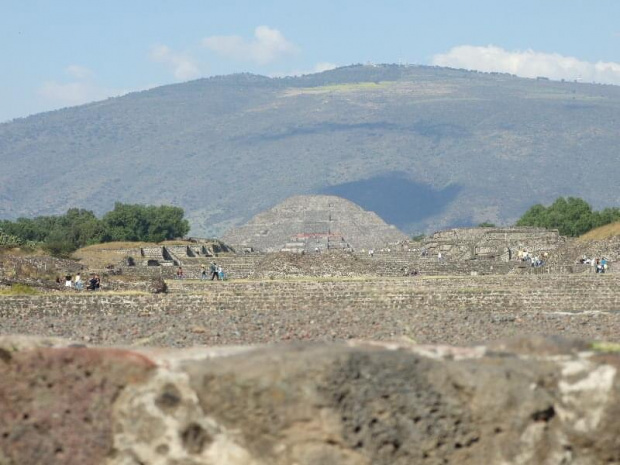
(525, 401)
(465, 251)
(454, 310)
(305, 223)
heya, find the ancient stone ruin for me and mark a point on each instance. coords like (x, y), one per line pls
(492, 243)
(308, 222)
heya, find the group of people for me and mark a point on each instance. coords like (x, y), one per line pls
(215, 271)
(600, 265)
(534, 260)
(94, 283)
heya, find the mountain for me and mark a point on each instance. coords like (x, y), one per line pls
(423, 147)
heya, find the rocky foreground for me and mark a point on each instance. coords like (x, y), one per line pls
(525, 401)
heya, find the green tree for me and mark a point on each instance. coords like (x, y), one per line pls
(59, 244)
(125, 223)
(60, 235)
(572, 216)
(166, 222)
(144, 223)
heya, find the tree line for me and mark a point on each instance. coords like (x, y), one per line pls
(62, 234)
(571, 216)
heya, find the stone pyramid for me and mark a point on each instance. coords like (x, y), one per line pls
(308, 222)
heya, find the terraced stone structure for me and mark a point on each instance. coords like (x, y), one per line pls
(492, 243)
(308, 222)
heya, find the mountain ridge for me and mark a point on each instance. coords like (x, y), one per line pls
(423, 147)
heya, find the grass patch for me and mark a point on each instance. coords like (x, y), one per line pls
(22, 252)
(19, 289)
(604, 232)
(603, 346)
(352, 87)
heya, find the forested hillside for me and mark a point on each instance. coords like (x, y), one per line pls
(423, 147)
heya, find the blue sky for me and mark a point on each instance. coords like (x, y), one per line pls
(58, 53)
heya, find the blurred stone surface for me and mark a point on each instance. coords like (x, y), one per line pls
(523, 401)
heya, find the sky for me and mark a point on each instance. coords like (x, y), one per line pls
(59, 53)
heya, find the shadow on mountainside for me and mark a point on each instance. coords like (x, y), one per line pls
(396, 199)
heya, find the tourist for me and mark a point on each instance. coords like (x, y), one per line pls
(94, 282)
(180, 274)
(439, 257)
(68, 282)
(213, 270)
(371, 253)
(203, 272)
(78, 282)
(220, 273)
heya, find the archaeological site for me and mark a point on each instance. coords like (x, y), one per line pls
(315, 334)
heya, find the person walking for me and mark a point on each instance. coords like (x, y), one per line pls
(203, 272)
(213, 270)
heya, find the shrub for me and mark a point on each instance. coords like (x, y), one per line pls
(19, 289)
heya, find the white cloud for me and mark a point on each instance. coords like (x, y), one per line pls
(82, 89)
(267, 46)
(183, 66)
(528, 64)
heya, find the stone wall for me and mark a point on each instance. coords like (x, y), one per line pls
(492, 243)
(575, 249)
(332, 264)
